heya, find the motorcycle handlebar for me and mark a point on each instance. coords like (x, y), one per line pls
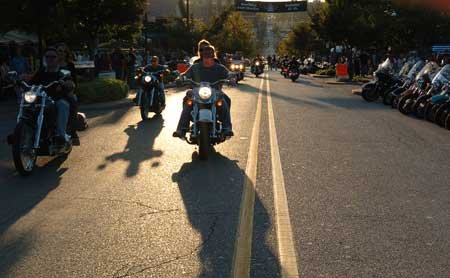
(45, 87)
(211, 84)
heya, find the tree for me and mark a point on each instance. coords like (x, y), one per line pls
(236, 35)
(301, 41)
(107, 18)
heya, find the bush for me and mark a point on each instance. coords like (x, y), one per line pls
(327, 72)
(102, 90)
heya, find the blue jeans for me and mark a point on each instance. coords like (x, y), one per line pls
(62, 116)
(224, 115)
(162, 93)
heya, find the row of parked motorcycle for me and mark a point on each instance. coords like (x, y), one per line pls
(419, 88)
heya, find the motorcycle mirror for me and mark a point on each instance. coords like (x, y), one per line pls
(65, 73)
(12, 74)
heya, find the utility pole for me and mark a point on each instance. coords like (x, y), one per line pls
(188, 23)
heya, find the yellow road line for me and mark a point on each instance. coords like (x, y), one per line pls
(243, 244)
(286, 250)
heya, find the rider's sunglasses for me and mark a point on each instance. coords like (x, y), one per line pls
(50, 56)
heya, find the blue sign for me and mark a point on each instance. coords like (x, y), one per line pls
(441, 49)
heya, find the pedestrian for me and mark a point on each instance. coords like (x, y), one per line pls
(65, 60)
(117, 63)
(364, 61)
(19, 63)
(131, 67)
(4, 82)
(269, 61)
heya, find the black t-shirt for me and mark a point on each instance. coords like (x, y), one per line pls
(150, 68)
(43, 77)
(199, 73)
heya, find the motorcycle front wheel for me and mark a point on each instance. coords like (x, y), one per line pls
(419, 107)
(24, 155)
(203, 141)
(447, 122)
(370, 94)
(441, 115)
(388, 99)
(428, 114)
(144, 107)
(405, 104)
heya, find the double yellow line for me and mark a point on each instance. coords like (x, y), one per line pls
(243, 245)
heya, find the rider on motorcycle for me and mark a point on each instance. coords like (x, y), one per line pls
(206, 71)
(60, 94)
(293, 64)
(155, 67)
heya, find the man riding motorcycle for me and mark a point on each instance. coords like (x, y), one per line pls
(208, 70)
(155, 67)
(65, 102)
(293, 64)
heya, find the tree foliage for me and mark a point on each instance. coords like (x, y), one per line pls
(236, 34)
(381, 23)
(300, 41)
(74, 20)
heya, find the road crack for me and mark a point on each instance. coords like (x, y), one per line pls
(137, 269)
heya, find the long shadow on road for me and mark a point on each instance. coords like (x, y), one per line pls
(211, 192)
(139, 148)
(18, 196)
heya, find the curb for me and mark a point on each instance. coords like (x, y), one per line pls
(357, 92)
(320, 76)
(343, 83)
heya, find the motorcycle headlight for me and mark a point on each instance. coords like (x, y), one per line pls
(241, 67)
(147, 79)
(205, 93)
(257, 64)
(30, 97)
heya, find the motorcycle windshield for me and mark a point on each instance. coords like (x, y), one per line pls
(431, 69)
(442, 77)
(416, 69)
(405, 69)
(386, 65)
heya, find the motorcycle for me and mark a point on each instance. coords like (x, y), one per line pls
(392, 97)
(148, 95)
(238, 67)
(384, 79)
(407, 100)
(294, 74)
(206, 129)
(427, 105)
(34, 134)
(257, 68)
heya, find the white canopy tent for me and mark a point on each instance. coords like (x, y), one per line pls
(17, 37)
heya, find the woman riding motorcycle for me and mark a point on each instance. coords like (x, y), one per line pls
(206, 71)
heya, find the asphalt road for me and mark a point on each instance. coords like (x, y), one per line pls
(367, 191)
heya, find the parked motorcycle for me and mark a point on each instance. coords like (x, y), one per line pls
(430, 103)
(34, 134)
(401, 77)
(423, 82)
(257, 68)
(384, 79)
(149, 95)
(392, 97)
(206, 129)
